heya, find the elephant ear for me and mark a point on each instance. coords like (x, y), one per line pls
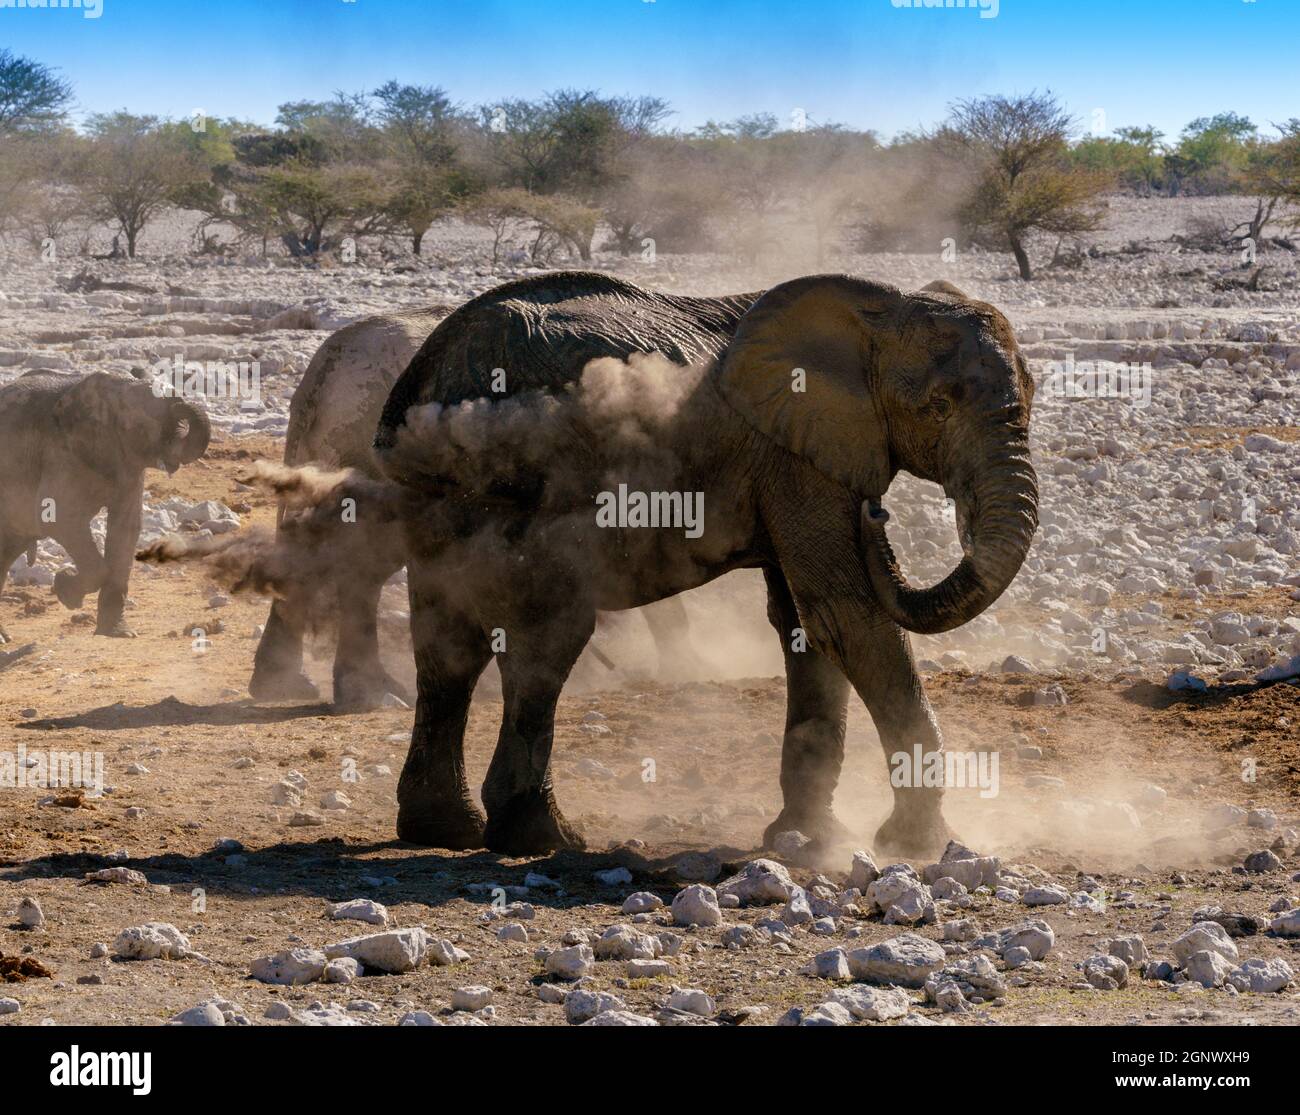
(105, 424)
(829, 327)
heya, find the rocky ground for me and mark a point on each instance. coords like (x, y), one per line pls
(1137, 684)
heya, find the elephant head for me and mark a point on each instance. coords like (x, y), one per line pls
(122, 425)
(862, 380)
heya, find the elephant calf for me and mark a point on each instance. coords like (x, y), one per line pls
(332, 421)
(73, 446)
(784, 417)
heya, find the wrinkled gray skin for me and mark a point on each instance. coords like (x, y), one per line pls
(930, 382)
(82, 443)
(332, 420)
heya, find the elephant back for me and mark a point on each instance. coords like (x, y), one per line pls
(542, 331)
(336, 407)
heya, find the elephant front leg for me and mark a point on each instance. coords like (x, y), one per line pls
(887, 681)
(119, 553)
(812, 750)
(523, 817)
(434, 804)
(844, 621)
(71, 588)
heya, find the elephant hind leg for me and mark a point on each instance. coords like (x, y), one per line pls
(360, 680)
(434, 804)
(523, 817)
(277, 666)
(671, 630)
(812, 749)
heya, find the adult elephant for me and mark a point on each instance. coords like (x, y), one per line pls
(787, 413)
(332, 420)
(74, 445)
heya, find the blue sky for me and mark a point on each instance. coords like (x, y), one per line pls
(860, 62)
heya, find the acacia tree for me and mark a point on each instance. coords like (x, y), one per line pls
(1273, 174)
(668, 193)
(498, 211)
(308, 184)
(50, 205)
(1021, 177)
(571, 144)
(33, 108)
(1133, 156)
(32, 97)
(420, 126)
(1212, 153)
(134, 166)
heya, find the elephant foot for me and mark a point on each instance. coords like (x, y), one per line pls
(65, 588)
(913, 833)
(397, 689)
(530, 825)
(364, 692)
(457, 826)
(821, 826)
(282, 687)
(115, 630)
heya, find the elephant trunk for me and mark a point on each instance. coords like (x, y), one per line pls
(1005, 498)
(196, 439)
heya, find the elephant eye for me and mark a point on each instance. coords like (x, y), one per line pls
(940, 408)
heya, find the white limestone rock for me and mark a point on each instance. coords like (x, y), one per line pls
(696, 905)
(290, 967)
(398, 950)
(155, 940)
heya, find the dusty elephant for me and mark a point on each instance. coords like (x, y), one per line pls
(332, 419)
(787, 413)
(73, 446)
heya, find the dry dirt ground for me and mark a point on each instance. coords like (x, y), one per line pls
(185, 718)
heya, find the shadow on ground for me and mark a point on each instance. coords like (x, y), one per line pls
(171, 712)
(396, 872)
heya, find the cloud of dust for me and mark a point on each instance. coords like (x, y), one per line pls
(618, 409)
(536, 452)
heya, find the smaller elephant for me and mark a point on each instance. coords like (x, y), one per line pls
(74, 445)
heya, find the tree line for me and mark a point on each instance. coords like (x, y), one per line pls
(548, 176)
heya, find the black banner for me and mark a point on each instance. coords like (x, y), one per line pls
(271, 1063)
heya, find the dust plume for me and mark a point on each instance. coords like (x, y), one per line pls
(617, 409)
